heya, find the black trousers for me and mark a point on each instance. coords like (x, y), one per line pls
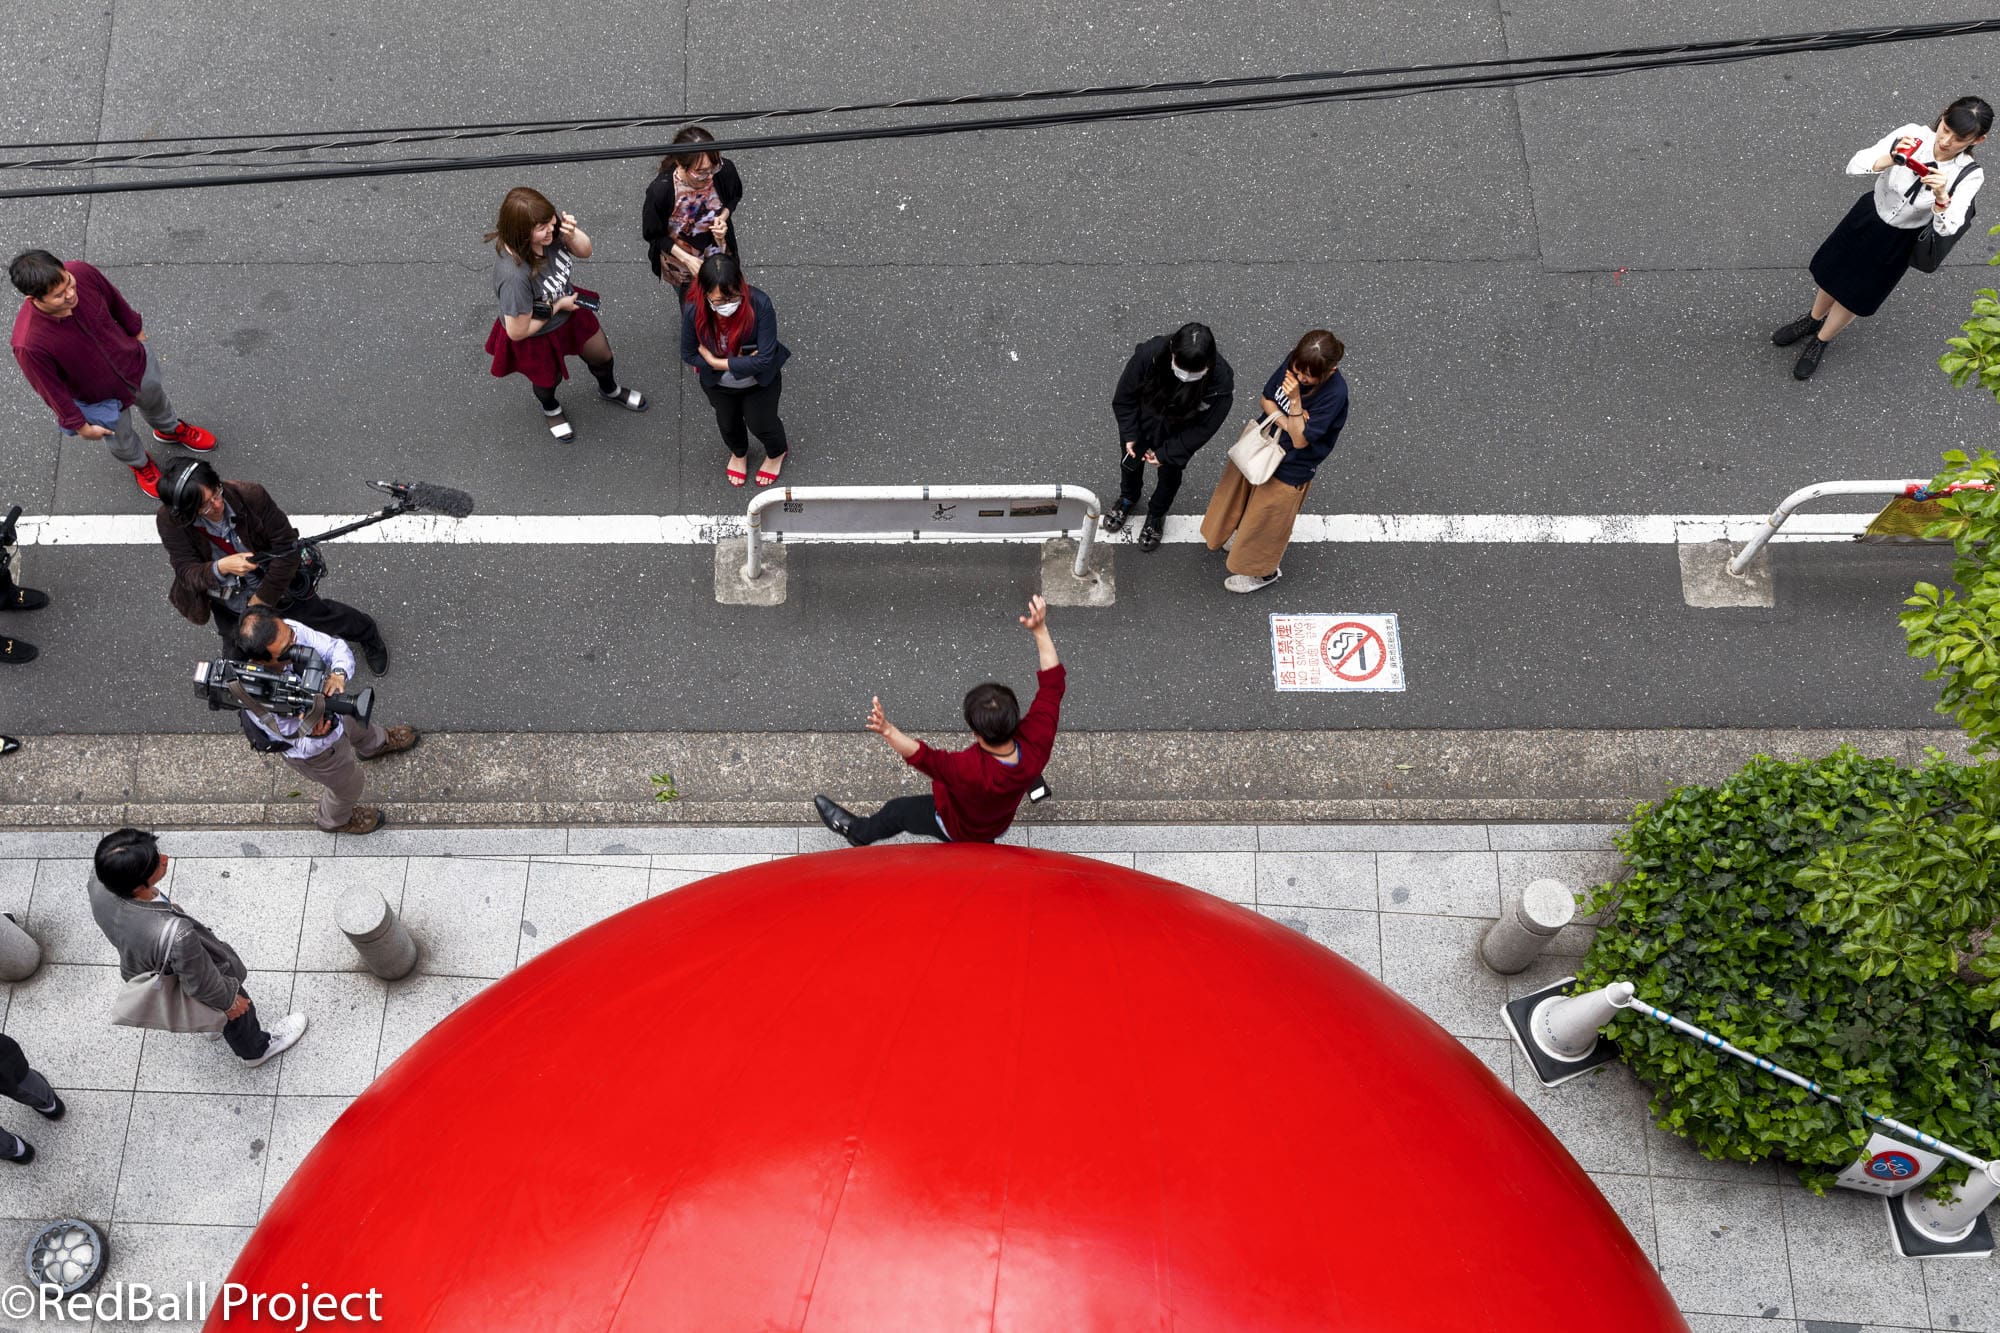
(315, 612)
(741, 413)
(245, 1035)
(1132, 481)
(916, 815)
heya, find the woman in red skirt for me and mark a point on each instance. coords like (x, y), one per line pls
(545, 317)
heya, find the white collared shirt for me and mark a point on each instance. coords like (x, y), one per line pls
(338, 657)
(1892, 187)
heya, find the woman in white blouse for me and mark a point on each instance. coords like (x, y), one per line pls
(1924, 177)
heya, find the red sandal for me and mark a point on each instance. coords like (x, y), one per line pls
(735, 471)
(765, 476)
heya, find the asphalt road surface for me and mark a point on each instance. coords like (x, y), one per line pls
(1557, 301)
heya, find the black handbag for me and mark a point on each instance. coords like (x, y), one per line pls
(1932, 249)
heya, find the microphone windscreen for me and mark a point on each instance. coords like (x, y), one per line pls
(441, 499)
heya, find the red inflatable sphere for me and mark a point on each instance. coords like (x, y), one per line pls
(943, 1088)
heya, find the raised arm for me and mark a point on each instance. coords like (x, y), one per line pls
(1037, 623)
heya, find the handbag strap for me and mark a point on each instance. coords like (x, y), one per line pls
(168, 930)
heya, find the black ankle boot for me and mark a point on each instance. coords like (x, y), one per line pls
(1797, 329)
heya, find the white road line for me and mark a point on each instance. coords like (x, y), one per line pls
(705, 529)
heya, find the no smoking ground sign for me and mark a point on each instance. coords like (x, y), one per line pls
(1336, 652)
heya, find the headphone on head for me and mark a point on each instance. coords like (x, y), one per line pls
(180, 489)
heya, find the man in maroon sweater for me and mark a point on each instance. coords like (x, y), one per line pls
(974, 791)
(83, 348)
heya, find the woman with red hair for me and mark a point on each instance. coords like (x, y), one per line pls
(729, 335)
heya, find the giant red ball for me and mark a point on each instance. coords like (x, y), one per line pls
(941, 1088)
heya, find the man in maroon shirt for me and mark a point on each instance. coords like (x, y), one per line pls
(974, 791)
(83, 348)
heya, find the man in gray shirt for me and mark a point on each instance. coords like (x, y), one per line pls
(153, 935)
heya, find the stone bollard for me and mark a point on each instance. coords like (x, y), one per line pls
(1948, 1224)
(377, 933)
(20, 954)
(1526, 926)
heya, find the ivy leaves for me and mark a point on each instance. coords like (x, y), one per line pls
(1820, 913)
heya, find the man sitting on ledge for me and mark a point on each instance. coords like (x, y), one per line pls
(974, 791)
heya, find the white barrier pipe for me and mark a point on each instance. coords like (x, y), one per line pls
(1909, 490)
(1814, 492)
(1086, 534)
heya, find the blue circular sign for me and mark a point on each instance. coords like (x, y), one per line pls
(1891, 1166)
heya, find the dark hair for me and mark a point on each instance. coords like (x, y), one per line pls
(1969, 115)
(1193, 347)
(36, 273)
(1318, 354)
(690, 134)
(722, 275)
(256, 632)
(522, 211)
(126, 859)
(992, 712)
(181, 489)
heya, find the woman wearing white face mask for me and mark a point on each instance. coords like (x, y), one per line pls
(729, 335)
(1174, 395)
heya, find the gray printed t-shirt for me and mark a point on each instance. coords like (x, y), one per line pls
(520, 289)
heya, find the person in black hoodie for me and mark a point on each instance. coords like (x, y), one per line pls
(1174, 395)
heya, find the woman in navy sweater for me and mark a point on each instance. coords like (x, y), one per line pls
(729, 335)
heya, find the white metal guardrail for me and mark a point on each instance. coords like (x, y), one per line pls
(1909, 490)
(920, 513)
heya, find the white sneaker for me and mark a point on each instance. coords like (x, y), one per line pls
(1250, 582)
(283, 1037)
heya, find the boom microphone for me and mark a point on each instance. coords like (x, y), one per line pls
(446, 500)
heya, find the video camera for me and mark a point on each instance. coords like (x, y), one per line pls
(291, 687)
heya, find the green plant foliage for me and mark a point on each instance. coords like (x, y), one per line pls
(1714, 925)
(664, 787)
(1976, 356)
(1959, 628)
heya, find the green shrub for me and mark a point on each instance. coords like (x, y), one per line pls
(1716, 925)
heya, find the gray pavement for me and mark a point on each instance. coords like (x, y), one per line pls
(1556, 301)
(179, 1149)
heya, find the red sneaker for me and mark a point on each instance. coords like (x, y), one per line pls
(148, 478)
(188, 436)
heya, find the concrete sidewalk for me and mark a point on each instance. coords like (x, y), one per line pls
(178, 1149)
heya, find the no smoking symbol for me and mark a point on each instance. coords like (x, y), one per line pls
(1349, 648)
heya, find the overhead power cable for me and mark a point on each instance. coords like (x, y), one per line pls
(1488, 74)
(334, 139)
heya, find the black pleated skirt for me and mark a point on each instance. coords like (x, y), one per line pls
(1864, 258)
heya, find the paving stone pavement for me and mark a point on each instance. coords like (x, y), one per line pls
(179, 1149)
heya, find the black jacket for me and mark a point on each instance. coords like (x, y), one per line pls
(1143, 420)
(659, 206)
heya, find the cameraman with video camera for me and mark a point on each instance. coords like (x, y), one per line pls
(234, 549)
(323, 742)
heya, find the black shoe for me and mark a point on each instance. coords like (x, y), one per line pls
(57, 1112)
(1808, 360)
(1149, 538)
(1796, 330)
(1114, 518)
(376, 654)
(26, 599)
(837, 818)
(27, 1153)
(13, 650)
(9, 744)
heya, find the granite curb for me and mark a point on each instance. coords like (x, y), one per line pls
(479, 779)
